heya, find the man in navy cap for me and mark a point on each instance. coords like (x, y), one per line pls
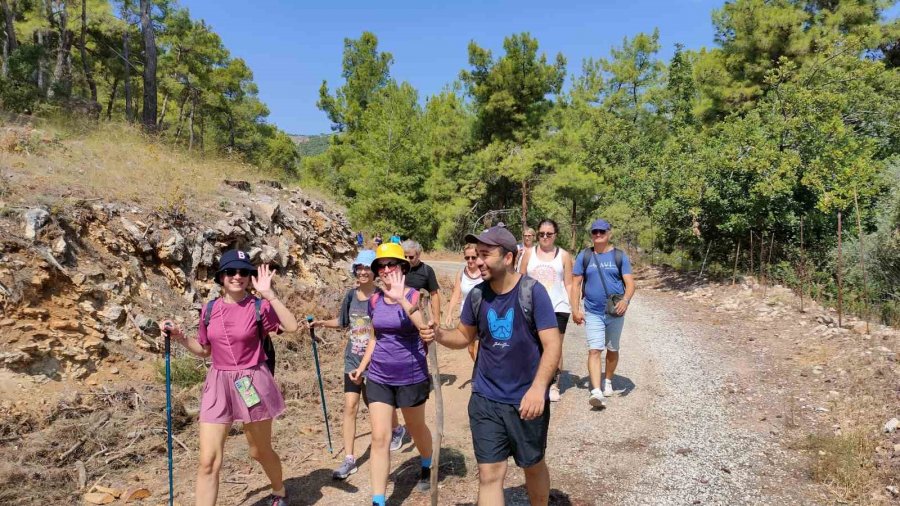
(512, 317)
(608, 287)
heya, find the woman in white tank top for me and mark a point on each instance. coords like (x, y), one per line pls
(551, 266)
(468, 277)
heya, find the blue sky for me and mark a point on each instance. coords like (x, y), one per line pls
(293, 45)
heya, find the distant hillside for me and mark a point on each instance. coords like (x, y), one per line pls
(311, 145)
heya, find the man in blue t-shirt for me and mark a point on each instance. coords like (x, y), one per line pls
(603, 329)
(509, 413)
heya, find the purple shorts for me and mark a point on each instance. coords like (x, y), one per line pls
(221, 402)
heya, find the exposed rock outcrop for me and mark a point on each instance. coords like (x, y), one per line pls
(75, 281)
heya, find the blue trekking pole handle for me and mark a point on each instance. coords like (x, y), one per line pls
(167, 332)
(312, 334)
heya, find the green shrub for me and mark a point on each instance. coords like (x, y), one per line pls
(186, 371)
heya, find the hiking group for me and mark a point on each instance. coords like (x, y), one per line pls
(515, 301)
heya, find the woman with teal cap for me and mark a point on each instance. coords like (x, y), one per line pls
(354, 317)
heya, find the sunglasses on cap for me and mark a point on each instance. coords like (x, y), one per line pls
(245, 273)
(599, 232)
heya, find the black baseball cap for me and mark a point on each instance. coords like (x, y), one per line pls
(498, 235)
(234, 259)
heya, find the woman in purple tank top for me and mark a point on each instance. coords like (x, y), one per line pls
(397, 368)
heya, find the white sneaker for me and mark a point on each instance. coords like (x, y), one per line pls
(608, 389)
(554, 393)
(596, 399)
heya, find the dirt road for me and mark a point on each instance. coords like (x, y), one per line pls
(674, 434)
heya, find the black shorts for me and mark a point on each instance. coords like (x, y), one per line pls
(498, 432)
(353, 388)
(405, 396)
(562, 321)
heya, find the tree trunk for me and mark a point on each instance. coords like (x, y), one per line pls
(574, 224)
(129, 113)
(88, 73)
(191, 127)
(9, 14)
(62, 75)
(112, 98)
(524, 204)
(162, 112)
(4, 68)
(149, 109)
(41, 61)
(181, 116)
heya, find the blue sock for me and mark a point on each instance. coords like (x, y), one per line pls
(378, 499)
(426, 462)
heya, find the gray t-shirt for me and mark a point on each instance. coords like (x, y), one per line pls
(358, 331)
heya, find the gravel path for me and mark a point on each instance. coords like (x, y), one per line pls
(669, 436)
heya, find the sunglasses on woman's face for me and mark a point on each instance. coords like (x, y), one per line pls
(245, 273)
(389, 263)
(599, 232)
(546, 234)
(472, 258)
(362, 270)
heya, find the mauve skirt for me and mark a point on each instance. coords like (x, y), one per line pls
(221, 402)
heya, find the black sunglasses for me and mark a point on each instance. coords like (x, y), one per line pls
(389, 263)
(599, 232)
(246, 273)
(411, 257)
(471, 258)
(546, 234)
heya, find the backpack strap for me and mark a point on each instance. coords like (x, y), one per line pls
(476, 295)
(526, 300)
(618, 255)
(265, 339)
(208, 314)
(373, 300)
(586, 255)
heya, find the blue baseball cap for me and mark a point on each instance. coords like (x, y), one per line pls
(601, 224)
(234, 259)
(364, 257)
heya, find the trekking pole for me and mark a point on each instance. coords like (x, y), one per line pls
(312, 334)
(167, 331)
(438, 434)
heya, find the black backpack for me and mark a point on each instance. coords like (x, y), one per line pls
(587, 255)
(525, 299)
(268, 346)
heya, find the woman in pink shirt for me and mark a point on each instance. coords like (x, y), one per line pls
(239, 385)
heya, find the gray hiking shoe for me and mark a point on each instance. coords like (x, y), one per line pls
(397, 436)
(424, 484)
(347, 468)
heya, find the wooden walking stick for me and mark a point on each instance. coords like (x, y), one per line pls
(437, 435)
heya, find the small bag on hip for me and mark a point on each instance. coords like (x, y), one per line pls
(612, 299)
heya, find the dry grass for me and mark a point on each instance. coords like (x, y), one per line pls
(116, 162)
(843, 462)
